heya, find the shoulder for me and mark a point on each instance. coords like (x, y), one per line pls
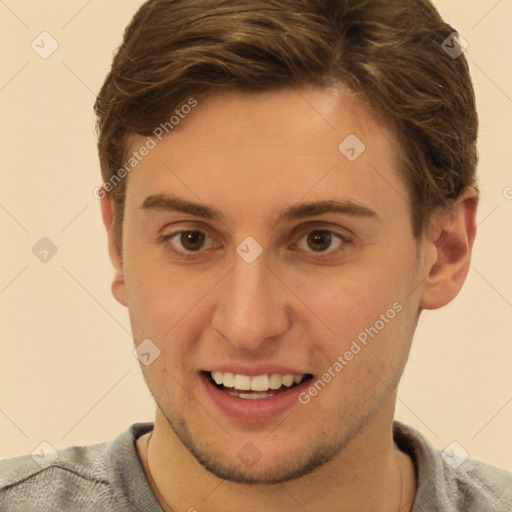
(447, 482)
(46, 481)
(478, 486)
(78, 478)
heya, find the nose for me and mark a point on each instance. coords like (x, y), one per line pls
(252, 308)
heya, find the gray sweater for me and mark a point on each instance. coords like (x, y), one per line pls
(109, 477)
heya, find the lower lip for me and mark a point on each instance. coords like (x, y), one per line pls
(253, 410)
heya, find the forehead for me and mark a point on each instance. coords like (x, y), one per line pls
(251, 152)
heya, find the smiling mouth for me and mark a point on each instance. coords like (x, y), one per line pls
(254, 388)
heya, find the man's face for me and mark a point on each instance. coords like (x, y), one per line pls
(331, 287)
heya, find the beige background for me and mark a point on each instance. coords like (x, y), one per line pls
(68, 375)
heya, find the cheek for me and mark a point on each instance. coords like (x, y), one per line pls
(166, 304)
(166, 308)
(159, 304)
(353, 297)
(364, 312)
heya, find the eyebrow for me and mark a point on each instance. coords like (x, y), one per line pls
(302, 210)
(172, 203)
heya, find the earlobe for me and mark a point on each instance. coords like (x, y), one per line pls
(456, 231)
(118, 284)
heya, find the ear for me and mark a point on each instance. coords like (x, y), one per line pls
(452, 235)
(118, 284)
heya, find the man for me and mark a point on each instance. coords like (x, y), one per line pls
(287, 186)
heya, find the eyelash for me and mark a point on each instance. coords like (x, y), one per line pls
(166, 241)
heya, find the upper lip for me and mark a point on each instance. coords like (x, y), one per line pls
(254, 370)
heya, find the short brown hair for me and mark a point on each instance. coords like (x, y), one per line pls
(388, 52)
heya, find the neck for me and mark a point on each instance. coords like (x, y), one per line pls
(368, 474)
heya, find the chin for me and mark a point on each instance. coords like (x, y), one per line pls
(267, 464)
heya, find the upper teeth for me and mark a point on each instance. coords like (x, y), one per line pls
(258, 383)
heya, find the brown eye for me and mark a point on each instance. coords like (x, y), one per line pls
(192, 240)
(187, 244)
(323, 242)
(319, 240)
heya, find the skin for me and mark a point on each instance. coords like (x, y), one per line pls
(250, 156)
